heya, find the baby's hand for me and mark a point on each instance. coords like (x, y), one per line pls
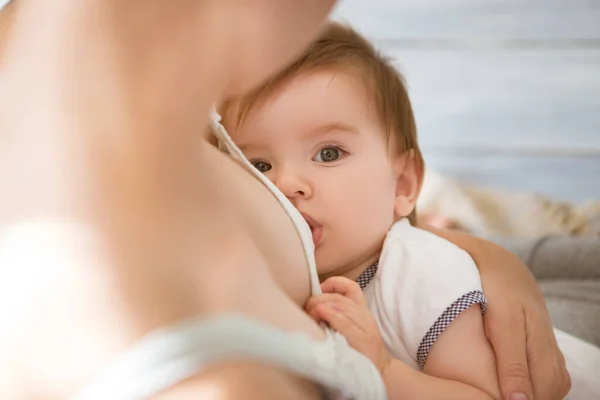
(343, 306)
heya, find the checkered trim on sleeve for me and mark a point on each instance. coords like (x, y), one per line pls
(367, 276)
(449, 315)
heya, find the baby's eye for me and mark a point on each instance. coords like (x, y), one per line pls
(329, 154)
(261, 166)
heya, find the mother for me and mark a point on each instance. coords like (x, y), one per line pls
(122, 219)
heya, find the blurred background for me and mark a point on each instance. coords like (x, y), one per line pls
(506, 92)
(507, 101)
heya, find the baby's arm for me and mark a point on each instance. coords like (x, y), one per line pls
(517, 322)
(459, 366)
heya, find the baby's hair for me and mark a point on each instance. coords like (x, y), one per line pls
(342, 47)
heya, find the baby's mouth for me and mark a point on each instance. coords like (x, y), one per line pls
(315, 228)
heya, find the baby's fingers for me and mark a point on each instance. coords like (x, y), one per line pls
(326, 298)
(346, 287)
(333, 315)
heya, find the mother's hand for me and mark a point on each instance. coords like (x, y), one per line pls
(517, 323)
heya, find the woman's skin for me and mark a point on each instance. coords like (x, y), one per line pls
(105, 96)
(118, 145)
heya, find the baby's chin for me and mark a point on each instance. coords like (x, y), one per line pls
(327, 265)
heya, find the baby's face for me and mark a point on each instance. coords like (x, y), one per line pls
(319, 140)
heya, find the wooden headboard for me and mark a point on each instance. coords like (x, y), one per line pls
(506, 93)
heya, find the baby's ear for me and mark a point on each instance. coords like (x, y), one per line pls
(407, 167)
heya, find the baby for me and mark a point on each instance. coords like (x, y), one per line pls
(335, 132)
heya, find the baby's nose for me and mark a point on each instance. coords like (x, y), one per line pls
(292, 185)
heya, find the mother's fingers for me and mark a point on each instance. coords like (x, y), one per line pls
(505, 328)
(547, 369)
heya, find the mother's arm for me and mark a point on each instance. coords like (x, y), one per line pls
(517, 322)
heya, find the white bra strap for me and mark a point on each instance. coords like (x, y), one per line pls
(226, 143)
(172, 355)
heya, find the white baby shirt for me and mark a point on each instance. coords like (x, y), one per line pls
(419, 286)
